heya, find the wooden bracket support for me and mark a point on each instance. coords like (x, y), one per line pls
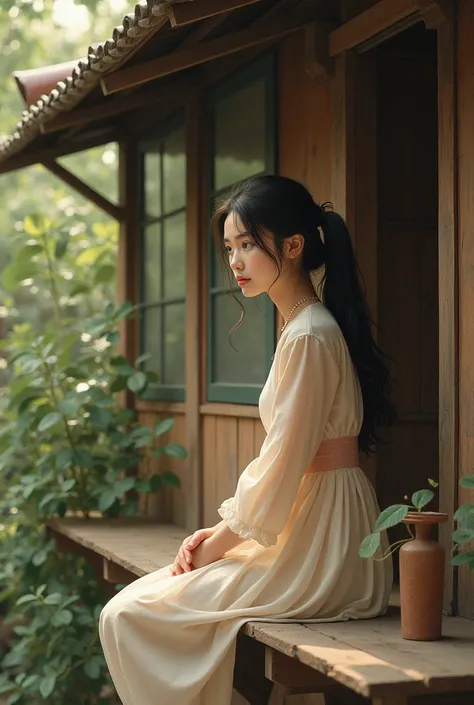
(71, 180)
(181, 14)
(435, 12)
(319, 65)
(294, 675)
(115, 573)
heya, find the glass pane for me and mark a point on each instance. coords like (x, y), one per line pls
(152, 263)
(174, 344)
(239, 145)
(174, 171)
(151, 323)
(249, 364)
(174, 256)
(152, 177)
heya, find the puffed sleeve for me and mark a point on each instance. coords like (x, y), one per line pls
(308, 377)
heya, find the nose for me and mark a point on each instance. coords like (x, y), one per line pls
(235, 261)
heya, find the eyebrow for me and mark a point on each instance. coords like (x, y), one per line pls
(238, 237)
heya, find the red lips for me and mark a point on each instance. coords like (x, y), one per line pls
(242, 280)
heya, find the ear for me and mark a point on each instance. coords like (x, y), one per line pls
(294, 246)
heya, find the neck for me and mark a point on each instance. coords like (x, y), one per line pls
(288, 293)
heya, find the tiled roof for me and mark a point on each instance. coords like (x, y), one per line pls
(134, 30)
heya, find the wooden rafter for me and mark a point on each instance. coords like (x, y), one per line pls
(213, 49)
(382, 20)
(434, 14)
(186, 13)
(319, 64)
(117, 106)
(81, 187)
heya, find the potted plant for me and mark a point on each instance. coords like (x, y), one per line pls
(422, 564)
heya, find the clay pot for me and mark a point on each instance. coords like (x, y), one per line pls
(422, 563)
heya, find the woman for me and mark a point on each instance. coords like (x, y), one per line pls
(287, 546)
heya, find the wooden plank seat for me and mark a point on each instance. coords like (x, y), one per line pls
(347, 661)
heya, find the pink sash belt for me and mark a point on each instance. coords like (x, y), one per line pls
(336, 453)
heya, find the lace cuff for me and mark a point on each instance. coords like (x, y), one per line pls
(244, 531)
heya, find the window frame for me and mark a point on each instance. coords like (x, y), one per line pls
(264, 69)
(158, 391)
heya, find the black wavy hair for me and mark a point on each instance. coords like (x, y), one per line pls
(284, 207)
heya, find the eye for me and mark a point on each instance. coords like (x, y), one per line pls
(246, 244)
(227, 248)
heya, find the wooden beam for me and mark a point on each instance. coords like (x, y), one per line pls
(213, 49)
(85, 190)
(436, 13)
(186, 13)
(114, 106)
(385, 18)
(27, 157)
(287, 671)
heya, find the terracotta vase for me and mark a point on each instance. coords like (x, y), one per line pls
(422, 563)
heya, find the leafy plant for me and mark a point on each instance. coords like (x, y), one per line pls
(67, 446)
(391, 516)
(463, 537)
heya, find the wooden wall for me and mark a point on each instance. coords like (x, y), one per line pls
(465, 134)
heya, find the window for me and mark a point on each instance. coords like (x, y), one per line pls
(163, 268)
(242, 143)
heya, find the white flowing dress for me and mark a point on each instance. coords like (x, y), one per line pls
(170, 640)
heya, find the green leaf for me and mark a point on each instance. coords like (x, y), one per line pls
(137, 382)
(53, 598)
(92, 669)
(62, 618)
(433, 483)
(79, 288)
(35, 224)
(106, 499)
(83, 458)
(171, 480)
(369, 545)
(142, 358)
(142, 486)
(175, 450)
(69, 407)
(463, 558)
(24, 599)
(104, 274)
(124, 486)
(463, 535)
(14, 698)
(118, 384)
(163, 427)
(465, 511)
(391, 516)
(47, 685)
(61, 246)
(48, 421)
(155, 483)
(124, 462)
(467, 482)
(124, 310)
(99, 417)
(64, 459)
(421, 498)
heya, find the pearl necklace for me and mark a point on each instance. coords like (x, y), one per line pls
(308, 298)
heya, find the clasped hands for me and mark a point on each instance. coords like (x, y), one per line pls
(193, 553)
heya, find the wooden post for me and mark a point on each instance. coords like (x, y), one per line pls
(127, 264)
(448, 428)
(465, 135)
(194, 239)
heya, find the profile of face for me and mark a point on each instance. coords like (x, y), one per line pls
(253, 269)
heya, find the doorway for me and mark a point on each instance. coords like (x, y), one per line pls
(407, 169)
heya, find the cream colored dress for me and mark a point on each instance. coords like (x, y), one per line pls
(170, 640)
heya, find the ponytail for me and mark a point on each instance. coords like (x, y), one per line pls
(345, 298)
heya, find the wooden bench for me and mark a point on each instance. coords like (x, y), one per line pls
(338, 663)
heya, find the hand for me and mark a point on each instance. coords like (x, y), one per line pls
(183, 561)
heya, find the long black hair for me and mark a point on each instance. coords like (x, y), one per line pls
(284, 207)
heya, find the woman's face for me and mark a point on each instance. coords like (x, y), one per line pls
(254, 270)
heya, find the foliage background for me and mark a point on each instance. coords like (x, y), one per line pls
(36, 33)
